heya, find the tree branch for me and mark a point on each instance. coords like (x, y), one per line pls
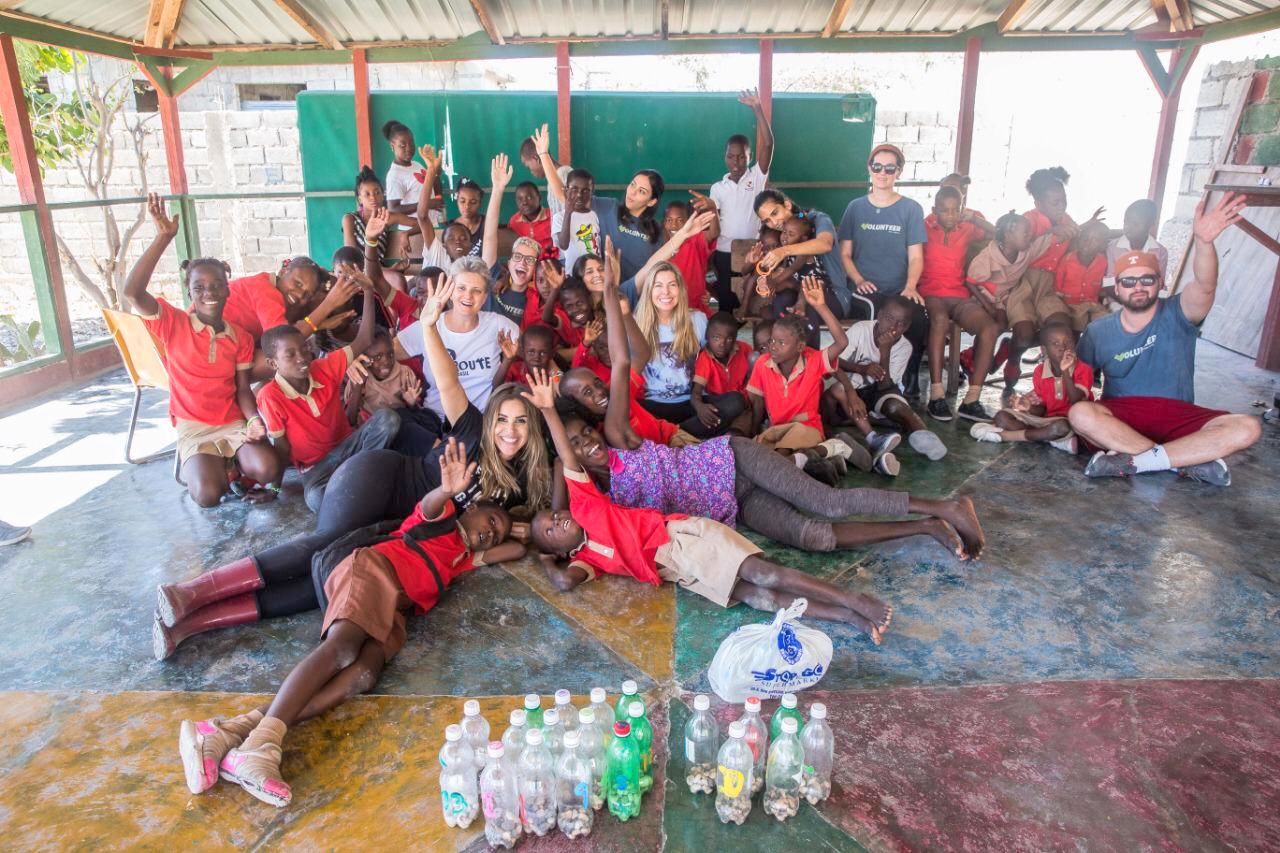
(81, 278)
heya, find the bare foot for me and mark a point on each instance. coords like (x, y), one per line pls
(947, 537)
(861, 622)
(871, 608)
(961, 515)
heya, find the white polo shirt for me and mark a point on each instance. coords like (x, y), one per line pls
(738, 220)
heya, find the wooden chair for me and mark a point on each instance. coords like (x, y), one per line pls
(143, 358)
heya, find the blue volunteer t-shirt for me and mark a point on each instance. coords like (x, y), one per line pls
(831, 265)
(880, 238)
(1158, 361)
(628, 240)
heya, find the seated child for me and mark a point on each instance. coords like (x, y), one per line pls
(593, 352)
(757, 305)
(369, 593)
(531, 219)
(1042, 414)
(208, 359)
(782, 285)
(569, 312)
(1139, 222)
(694, 254)
(950, 234)
(1079, 277)
(303, 404)
(534, 351)
(596, 536)
(870, 380)
(761, 334)
(376, 381)
(721, 368)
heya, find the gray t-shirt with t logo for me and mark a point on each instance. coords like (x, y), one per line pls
(1157, 361)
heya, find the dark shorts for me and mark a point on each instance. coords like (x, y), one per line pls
(874, 397)
(1160, 419)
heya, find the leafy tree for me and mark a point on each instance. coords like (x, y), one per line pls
(58, 125)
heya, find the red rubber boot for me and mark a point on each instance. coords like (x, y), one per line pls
(237, 610)
(175, 601)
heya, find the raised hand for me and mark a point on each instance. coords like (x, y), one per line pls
(455, 471)
(1207, 225)
(437, 297)
(612, 264)
(701, 203)
(811, 286)
(342, 291)
(334, 321)
(500, 172)
(551, 275)
(1068, 363)
(593, 330)
(358, 370)
(412, 395)
(1097, 214)
(749, 98)
(166, 226)
(698, 224)
(377, 223)
(430, 157)
(509, 347)
(754, 254)
(542, 140)
(541, 392)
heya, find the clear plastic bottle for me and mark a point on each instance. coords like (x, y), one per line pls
(513, 740)
(642, 733)
(701, 742)
(622, 774)
(459, 795)
(536, 777)
(499, 799)
(757, 738)
(734, 766)
(819, 753)
(630, 693)
(533, 710)
(564, 707)
(573, 790)
(553, 732)
(475, 731)
(591, 746)
(784, 773)
(786, 708)
(605, 717)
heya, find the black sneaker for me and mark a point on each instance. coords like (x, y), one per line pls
(823, 471)
(940, 410)
(974, 411)
(1215, 473)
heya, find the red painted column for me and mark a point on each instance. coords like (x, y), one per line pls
(172, 131)
(765, 85)
(1164, 131)
(564, 118)
(364, 131)
(968, 102)
(26, 170)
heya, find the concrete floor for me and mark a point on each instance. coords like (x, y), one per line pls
(1105, 678)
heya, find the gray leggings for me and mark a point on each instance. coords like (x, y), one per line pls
(774, 495)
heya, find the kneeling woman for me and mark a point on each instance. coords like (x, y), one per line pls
(514, 472)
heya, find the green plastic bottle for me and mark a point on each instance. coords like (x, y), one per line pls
(622, 782)
(630, 693)
(786, 709)
(642, 732)
(533, 710)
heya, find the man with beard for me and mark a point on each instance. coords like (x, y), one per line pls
(1147, 419)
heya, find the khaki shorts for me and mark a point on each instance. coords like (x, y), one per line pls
(1085, 313)
(195, 438)
(703, 556)
(792, 436)
(364, 589)
(1033, 299)
(1033, 421)
(683, 439)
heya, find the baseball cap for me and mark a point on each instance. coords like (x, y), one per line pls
(1129, 260)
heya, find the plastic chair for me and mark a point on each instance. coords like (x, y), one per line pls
(143, 358)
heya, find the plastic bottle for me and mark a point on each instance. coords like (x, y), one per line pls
(536, 777)
(591, 746)
(568, 713)
(573, 790)
(605, 717)
(622, 779)
(757, 738)
(459, 796)
(630, 693)
(513, 740)
(499, 799)
(475, 731)
(533, 710)
(553, 732)
(701, 742)
(734, 767)
(819, 745)
(642, 732)
(784, 773)
(786, 708)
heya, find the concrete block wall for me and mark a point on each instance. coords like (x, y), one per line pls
(927, 140)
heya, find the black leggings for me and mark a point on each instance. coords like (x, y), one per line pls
(730, 406)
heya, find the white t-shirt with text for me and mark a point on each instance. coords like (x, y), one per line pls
(476, 353)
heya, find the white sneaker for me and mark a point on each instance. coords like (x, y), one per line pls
(927, 444)
(1068, 445)
(983, 431)
(888, 465)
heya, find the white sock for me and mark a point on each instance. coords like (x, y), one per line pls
(1154, 459)
(800, 459)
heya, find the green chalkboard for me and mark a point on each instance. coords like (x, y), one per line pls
(682, 135)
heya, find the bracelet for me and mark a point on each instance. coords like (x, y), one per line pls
(307, 320)
(272, 487)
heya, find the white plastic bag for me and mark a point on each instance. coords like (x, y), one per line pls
(768, 660)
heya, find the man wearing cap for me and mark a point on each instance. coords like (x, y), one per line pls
(1147, 419)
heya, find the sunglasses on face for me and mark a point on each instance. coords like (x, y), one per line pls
(890, 169)
(1132, 281)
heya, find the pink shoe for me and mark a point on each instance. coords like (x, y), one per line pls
(255, 764)
(203, 743)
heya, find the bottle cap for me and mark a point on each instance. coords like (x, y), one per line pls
(788, 700)
(701, 702)
(572, 739)
(496, 749)
(562, 697)
(453, 732)
(622, 728)
(532, 701)
(550, 718)
(790, 726)
(471, 708)
(629, 688)
(518, 718)
(752, 703)
(598, 695)
(737, 729)
(533, 737)
(817, 711)
(635, 709)
(587, 716)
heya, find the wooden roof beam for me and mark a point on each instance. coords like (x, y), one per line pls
(490, 28)
(839, 12)
(307, 21)
(162, 23)
(1011, 15)
(1180, 17)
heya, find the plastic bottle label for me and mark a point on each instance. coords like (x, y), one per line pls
(731, 781)
(583, 790)
(452, 802)
(753, 741)
(688, 749)
(486, 803)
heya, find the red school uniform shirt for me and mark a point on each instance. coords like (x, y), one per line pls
(792, 398)
(315, 421)
(448, 552)
(1077, 283)
(539, 229)
(1050, 258)
(202, 365)
(533, 315)
(254, 304)
(723, 378)
(620, 540)
(583, 356)
(692, 259)
(944, 253)
(402, 307)
(647, 425)
(1055, 404)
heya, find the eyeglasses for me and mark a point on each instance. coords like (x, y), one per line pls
(1132, 281)
(523, 260)
(891, 169)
